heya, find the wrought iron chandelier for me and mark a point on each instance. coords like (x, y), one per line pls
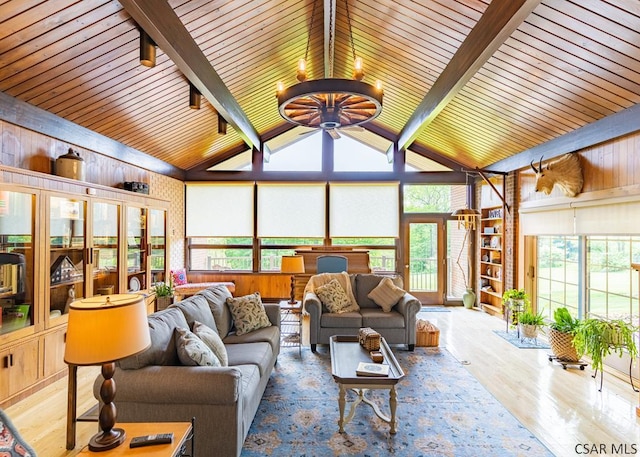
(330, 103)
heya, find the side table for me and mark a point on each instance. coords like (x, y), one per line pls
(182, 434)
(291, 324)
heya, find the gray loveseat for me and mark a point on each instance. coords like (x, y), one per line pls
(154, 387)
(397, 326)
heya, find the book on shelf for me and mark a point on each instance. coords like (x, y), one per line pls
(372, 369)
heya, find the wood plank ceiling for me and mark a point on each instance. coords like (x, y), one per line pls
(552, 67)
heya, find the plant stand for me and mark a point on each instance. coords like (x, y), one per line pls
(566, 363)
(595, 373)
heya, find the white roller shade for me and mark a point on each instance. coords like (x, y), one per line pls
(553, 222)
(219, 209)
(612, 219)
(295, 210)
(364, 210)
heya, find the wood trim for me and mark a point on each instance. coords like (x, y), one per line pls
(33, 118)
(609, 128)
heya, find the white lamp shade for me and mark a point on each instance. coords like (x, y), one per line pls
(292, 264)
(104, 329)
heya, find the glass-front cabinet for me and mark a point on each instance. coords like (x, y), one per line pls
(158, 243)
(67, 248)
(17, 211)
(136, 248)
(105, 241)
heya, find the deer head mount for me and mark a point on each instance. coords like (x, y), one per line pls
(565, 172)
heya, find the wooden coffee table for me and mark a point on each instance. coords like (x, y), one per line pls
(346, 354)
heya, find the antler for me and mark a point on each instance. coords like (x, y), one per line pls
(540, 164)
(534, 168)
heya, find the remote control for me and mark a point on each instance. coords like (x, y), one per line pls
(150, 440)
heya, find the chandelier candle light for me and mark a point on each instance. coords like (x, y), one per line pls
(330, 103)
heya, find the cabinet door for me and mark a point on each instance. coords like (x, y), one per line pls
(136, 223)
(18, 368)
(158, 244)
(105, 240)
(54, 352)
(67, 251)
(4, 374)
(17, 212)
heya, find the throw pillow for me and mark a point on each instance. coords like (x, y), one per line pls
(192, 351)
(334, 297)
(386, 294)
(248, 313)
(179, 277)
(211, 338)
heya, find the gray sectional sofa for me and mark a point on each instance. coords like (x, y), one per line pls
(397, 326)
(154, 387)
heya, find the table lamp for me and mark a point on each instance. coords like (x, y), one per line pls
(292, 264)
(101, 330)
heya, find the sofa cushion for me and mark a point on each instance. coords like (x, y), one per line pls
(365, 283)
(179, 276)
(269, 335)
(333, 296)
(386, 294)
(216, 297)
(248, 313)
(192, 351)
(162, 350)
(343, 320)
(211, 338)
(196, 308)
(377, 318)
(259, 354)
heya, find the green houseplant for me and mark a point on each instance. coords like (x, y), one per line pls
(561, 333)
(530, 322)
(514, 301)
(599, 338)
(164, 294)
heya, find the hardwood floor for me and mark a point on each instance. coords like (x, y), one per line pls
(563, 408)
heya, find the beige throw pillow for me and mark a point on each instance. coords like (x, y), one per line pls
(211, 338)
(386, 294)
(333, 296)
(248, 313)
(192, 351)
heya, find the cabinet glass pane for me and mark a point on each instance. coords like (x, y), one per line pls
(158, 244)
(66, 247)
(106, 218)
(16, 261)
(136, 248)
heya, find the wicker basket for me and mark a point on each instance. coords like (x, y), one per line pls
(427, 334)
(369, 339)
(562, 346)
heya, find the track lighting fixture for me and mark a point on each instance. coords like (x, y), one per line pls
(147, 50)
(195, 97)
(222, 125)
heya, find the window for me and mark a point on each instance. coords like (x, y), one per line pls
(364, 210)
(297, 151)
(558, 273)
(382, 251)
(352, 155)
(421, 198)
(221, 254)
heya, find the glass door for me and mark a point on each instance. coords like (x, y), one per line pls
(105, 241)
(66, 254)
(157, 233)
(425, 258)
(136, 248)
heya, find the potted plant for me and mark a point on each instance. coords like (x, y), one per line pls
(164, 294)
(515, 301)
(561, 333)
(599, 338)
(530, 323)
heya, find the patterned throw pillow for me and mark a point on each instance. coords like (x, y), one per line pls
(386, 294)
(192, 351)
(248, 313)
(211, 338)
(333, 296)
(179, 277)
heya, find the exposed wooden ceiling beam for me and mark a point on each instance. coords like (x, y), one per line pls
(499, 21)
(606, 129)
(162, 24)
(329, 36)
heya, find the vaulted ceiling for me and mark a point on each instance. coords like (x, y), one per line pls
(471, 82)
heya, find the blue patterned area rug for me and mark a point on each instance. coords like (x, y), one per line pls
(434, 309)
(442, 411)
(522, 343)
